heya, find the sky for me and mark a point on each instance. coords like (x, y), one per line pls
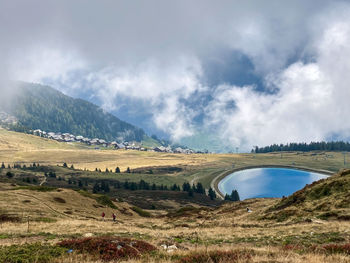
(214, 74)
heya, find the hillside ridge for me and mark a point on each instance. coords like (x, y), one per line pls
(36, 106)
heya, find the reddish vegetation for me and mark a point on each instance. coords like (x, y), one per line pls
(218, 257)
(328, 249)
(109, 248)
(337, 248)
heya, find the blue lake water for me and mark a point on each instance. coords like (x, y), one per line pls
(267, 182)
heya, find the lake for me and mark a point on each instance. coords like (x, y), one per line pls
(267, 182)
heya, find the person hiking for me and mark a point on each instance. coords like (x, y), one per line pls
(103, 215)
(114, 217)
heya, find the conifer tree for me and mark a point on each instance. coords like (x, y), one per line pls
(211, 193)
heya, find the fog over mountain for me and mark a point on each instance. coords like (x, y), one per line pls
(213, 74)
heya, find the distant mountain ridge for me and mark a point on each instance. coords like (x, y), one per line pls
(41, 107)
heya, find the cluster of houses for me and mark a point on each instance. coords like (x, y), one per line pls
(67, 137)
(168, 149)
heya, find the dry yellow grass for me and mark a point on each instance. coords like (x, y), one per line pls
(24, 148)
(225, 228)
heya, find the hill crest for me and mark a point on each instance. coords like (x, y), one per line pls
(41, 107)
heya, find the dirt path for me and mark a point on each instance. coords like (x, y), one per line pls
(214, 184)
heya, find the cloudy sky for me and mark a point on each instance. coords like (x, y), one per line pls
(234, 73)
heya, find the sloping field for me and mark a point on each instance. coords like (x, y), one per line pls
(199, 234)
(24, 148)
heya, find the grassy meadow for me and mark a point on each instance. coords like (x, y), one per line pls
(199, 233)
(59, 222)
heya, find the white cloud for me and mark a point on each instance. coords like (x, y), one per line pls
(158, 87)
(36, 64)
(311, 102)
(152, 58)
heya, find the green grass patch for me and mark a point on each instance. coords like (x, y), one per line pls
(101, 199)
(141, 212)
(29, 253)
(105, 200)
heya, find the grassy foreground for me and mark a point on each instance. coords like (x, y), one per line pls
(41, 221)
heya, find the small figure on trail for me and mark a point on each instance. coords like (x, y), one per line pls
(114, 216)
(248, 210)
(103, 215)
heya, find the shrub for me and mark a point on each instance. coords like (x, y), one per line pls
(30, 253)
(9, 218)
(337, 248)
(141, 212)
(104, 200)
(9, 174)
(59, 200)
(109, 248)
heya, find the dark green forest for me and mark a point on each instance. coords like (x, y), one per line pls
(42, 107)
(305, 147)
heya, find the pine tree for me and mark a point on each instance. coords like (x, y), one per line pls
(235, 196)
(126, 185)
(117, 170)
(133, 186)
(128, 170)
(96, 188)
(211, 193)
(9, 174)
(200, 189)
(186, 187)
(2, 166)
(65, 165)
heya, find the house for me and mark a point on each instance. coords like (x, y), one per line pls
(120, 146)
(94, 141)
(79, 138)
(38, 132)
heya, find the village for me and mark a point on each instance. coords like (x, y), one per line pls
(69, 138)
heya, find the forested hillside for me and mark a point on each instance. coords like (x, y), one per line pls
(42, 107)
(305, 147)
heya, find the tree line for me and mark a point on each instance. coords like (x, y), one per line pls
(104, 185)
(333, 146)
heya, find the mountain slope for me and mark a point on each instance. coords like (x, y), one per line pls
(42, 107)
